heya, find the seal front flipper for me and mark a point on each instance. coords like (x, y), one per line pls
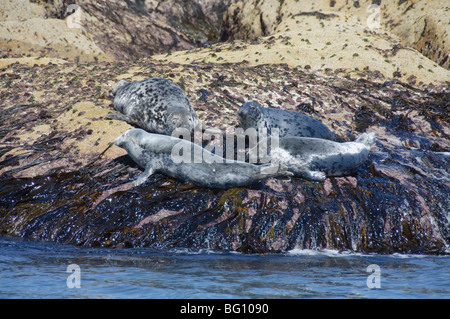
(283, 170)
(117, 116)
(143, 177)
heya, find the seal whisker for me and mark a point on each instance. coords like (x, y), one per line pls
(100, 155)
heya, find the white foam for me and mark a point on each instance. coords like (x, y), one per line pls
(323, 252)
(337, 253)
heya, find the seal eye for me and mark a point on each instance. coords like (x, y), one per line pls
(254, 107)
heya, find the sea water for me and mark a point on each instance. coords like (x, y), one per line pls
(43, 270)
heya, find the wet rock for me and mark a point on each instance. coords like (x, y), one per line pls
(60, 183)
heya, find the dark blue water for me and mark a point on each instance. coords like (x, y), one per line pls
(39, 270)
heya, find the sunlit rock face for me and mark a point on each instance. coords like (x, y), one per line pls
(58, 186)
(60, 181)
(136, 29)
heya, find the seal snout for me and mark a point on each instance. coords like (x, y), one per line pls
(179, 121)
(248, 112)
(180, 118)
(128, 136)
(121, 140)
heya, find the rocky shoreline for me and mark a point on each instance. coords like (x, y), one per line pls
(57, 182)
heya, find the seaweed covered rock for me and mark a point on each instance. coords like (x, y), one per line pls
(60, 182)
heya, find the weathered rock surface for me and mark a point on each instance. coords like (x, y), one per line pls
(26, 32)
(60, 182)
(136, 29)
(420, 25)
(55, 186)
(341, 39)
(106, 30)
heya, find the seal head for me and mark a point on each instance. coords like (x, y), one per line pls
(289, 123)
(156, 105)
(120, 84)
(251, 115)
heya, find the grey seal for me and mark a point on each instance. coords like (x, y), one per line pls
(289, 123)
(315, 159)
(156, 105)
(160, 154)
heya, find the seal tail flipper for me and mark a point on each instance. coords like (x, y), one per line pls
(143, 177)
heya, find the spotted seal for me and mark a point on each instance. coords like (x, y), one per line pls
(289, 123)
(161, 153)
(156, 105)
(315, 159)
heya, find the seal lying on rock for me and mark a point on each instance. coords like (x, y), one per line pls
(161, 154)
(315, 159)
(156, 105)
(289, 123)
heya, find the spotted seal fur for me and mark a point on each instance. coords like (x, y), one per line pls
(289, 123)
(156, 105)
(160, 154)
(315, 159)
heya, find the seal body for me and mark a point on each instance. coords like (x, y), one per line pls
(289, 123)
(160, 154)
(315, 159)
(156, 105)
